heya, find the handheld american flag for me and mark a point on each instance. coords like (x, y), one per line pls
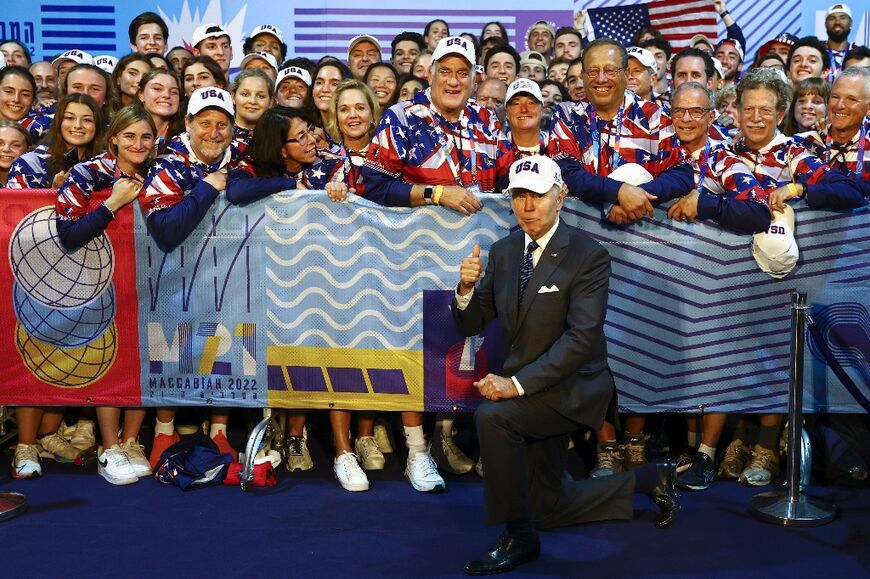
(677, 20)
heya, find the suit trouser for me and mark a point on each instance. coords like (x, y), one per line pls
(524, 445)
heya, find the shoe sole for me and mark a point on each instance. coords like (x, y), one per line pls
(434, 490)
(353, 488)
(56, 458)
(302, 468)
(118, 481)
(691, 487)
(378, 465)
(452, 470)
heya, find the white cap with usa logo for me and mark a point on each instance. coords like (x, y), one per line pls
(210, 98)
(535, 173)
(454, 45)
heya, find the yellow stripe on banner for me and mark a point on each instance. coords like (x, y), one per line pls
(303, 377)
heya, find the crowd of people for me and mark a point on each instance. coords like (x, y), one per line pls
(712, 131)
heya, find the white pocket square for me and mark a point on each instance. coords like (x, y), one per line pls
(547, 290)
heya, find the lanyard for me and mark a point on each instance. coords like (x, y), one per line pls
(705, 159)
(859, 166)
(615, 158)
(446, 148)
(351, 173)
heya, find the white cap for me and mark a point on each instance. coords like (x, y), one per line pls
(775, 250)
(700, 38)
(75, 55)
(267, 29)
(210, 97)
(643, 56)
(207, 31)
(839, 9)
(631, 173)
(267, 56)
(535, 173)
(717, 64)
(294, 72)
(454, 45)
(106, 61)
(532, 57)
(362, 38)
(524, 85)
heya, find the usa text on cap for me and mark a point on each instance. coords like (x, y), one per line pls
(210, 97)
(454, 45)
(524, 85)
(75, 55)
(267, 29)
(535, 173)
(293, 72)
(643, 56)
(106, 61)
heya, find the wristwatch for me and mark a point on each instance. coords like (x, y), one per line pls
(427, 194)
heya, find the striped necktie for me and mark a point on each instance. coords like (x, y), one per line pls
(527, 267)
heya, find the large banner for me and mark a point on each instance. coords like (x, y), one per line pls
(297, 301)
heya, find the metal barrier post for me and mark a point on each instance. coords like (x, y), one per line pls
(792, 508)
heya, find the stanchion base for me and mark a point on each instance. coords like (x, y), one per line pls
(11, 505)
(774, 507)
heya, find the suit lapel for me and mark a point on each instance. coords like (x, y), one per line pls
(553, 255)
(512, 278)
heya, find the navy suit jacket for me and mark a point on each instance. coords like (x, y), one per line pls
(555, 342)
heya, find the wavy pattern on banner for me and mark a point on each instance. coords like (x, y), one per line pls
(692, 325)
(361, 269)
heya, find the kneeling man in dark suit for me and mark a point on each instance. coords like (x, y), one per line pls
(547, 285)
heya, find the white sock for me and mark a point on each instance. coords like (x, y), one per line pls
(694, 439)
(708, 450)
(415, 440)
(164, 428)
(216, 428)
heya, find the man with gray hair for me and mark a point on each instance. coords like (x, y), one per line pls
(847, 137)
(547, 285)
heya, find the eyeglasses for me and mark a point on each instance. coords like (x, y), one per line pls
(696, 113)
(303, 138)
(608, 72)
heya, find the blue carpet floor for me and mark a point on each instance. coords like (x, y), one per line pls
(308, 526)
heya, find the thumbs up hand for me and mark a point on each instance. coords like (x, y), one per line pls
(470, 271)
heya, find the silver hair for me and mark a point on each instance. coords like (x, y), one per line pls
(857, 72)
(711, 99)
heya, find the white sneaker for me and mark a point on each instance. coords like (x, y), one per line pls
(349, 473)
(114, 466)
(423, 473)
(136, 455)
(55, 447)
(369, 454)
(25, 463)
(382, 439)
(81, 434)
(298, 457)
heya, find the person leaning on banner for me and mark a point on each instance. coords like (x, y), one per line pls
(547, 285)
(845, 142)
(725, 190)
(439, 148)
(694, 65)
(132, 146)
(612, 127)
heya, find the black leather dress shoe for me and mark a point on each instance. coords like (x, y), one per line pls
(665, 495)
(508, 553)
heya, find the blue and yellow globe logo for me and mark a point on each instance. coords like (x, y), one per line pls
(64, 303)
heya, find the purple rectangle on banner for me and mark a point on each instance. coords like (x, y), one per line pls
(347, 380)
(307, 378)
(386, 381)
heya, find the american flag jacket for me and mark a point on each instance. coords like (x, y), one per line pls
(414, 144)
(588, 149)
(785, 161)
(729, 193)
(245, 186)
(30, 170)
(842, 156)
(176, 196)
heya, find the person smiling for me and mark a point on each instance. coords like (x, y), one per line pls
(808, 58)
(253, 93)
(383, 79)
(132, 138)
(14, 142)
(808, 110)
(160, 94)
(587, 140)
(212, 40)
(524, 107)
(126, 76)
